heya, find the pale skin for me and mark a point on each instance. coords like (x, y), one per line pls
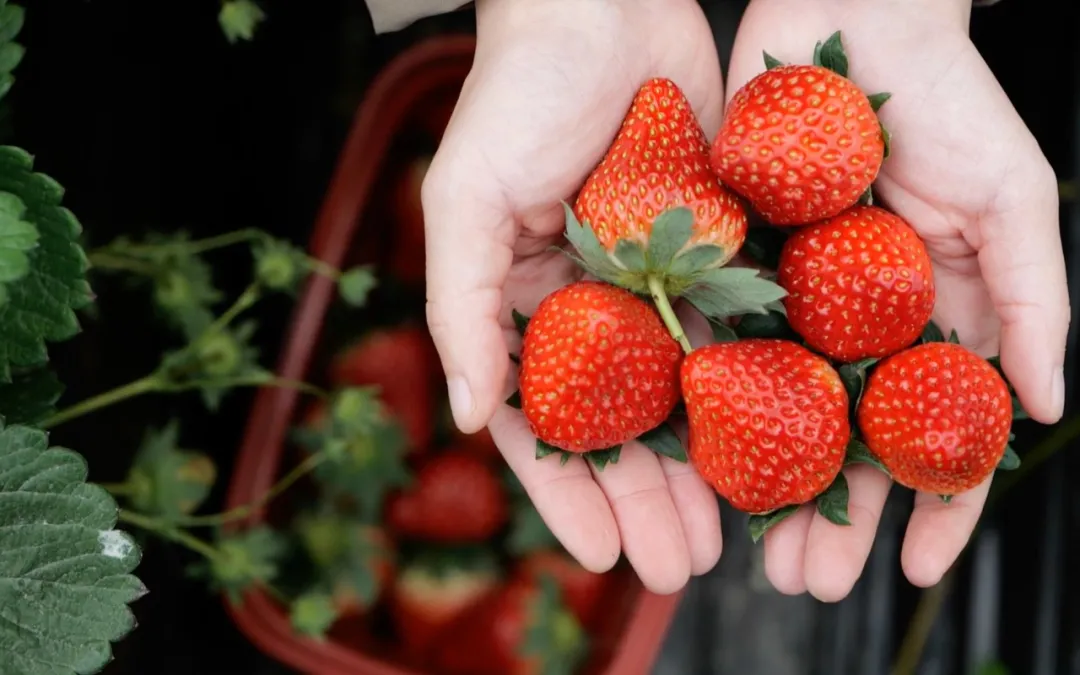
(547, 92)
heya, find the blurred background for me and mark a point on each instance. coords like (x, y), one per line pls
(152, 120)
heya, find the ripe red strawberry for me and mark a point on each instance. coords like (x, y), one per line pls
(859, 285)
(768, 422)
(598, 368)
(801, 142)
(521, 629)
(454, 498)
(937, 416)
(401, 361)
(660, 160)
(435, 589)
(580, 589)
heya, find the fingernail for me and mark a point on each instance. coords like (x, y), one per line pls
(461, 399)
(1057, 392)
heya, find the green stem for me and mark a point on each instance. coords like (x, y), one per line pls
(141, 386)
(190, 247)
(246, 381)
(103, 260)
(243, 302)
(168, 531)
(659, 296)
(245, 510)
(323, 268)
(118, 489)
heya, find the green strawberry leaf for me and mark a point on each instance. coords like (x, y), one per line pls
(65, 572)
(878, 100)
(312, 614)
(722, 332)
(11, 52)
(41, 305)
(771, 325)
(30, 397)
(887, 138)
(761, 523)
(167, 480)
(664, 441)
(670, 233)
(1018, 410)
(356, 284)
(1010, 461)
(771, 61)
(731, 291)
(17, 238)
(543, 449)
(853, 375)
(764, 245)
(515, 400)
(688, 265)
(279, 265)
(946, 499)
(932, 333)
(601, 458)
(520, 321)
(591, 256)
(631, 255)
(859, 453)
(867, 197)
(833, 503)
(239, 19)
(244, 559)
(830, 54)
(953, 337)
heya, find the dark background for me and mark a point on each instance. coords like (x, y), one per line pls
(153, 121)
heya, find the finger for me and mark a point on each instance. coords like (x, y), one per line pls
(649, 525)
(566, 496)
(1021, 260)
(785, 551)
(698, 509)
(836, 554)
(938, 532)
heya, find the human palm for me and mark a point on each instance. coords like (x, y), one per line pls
(971, 180)
(547, 93)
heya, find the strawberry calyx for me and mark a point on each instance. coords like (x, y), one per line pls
(554, 639)
(661, 439)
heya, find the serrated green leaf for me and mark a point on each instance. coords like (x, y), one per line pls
(592, 256)
(601, 458)
(761, 523)
(312, 614)
(853, 375)
(11, 53)
(722, 332)
(771, 61)
(664, 441)
(764, 245)
(239, 19)
(932, 333)
(244, 559)
(833, 503)
(543, 449)
(168, 480)
(11, 56)
(356, 284)
(1018, 410)
(521, 322)
(671, 231)
(631, 255)
(731, 291)
(17, 238)
(65, 572)
(954, 338)
(878, 100)
(1010, 461)
(830, 54)
(691, 262)
(30, 397)
(41, 305)
(859, 453)
(772, 325)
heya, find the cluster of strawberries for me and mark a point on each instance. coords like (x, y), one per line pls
(832, 360)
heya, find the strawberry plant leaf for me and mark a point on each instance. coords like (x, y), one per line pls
(887, 138)
(11, 52)
(520, 321)
(356, 284)
(878, 100)
(830, 54)
(312, 614)
(65, 572)
(279, 265)
(1010, 461)
(243, 559)
(515, 400)
(764, 244)
(771, 61)
(239, 19)
(17, 238)
(932, 333)
(859, 453)
(1018, 410)
(601, 458)
(722, 332)
(946, 499)
(731, 291)
(166, 479)
(761, 523)
(670, 232)
(688, 264)
(853, 375)
(41, 305)
(592, 257)
(664, 441)
(631, 255)
(543, 449)
(867, 198)
(771, 325)
(833, 503)
(30, 397)
(953, 337)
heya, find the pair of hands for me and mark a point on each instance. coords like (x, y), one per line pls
(549, 86)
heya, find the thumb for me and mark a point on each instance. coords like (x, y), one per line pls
(469, 231)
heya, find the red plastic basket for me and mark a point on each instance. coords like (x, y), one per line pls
(636, 619)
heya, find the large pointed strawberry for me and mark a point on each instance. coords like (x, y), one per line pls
(598, 368)
(859, 285)
(768, 422)
(801, 142)
(653, 218)
(938, 416)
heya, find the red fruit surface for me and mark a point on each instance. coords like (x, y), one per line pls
(768, 421)
(454, 498)
(660, 160)
(938, 417)
(401, 361)
(859, 285)
(581, 590)
(800, 142)
(598, 368)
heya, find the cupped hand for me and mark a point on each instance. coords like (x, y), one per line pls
(550, 84)
(970, 178)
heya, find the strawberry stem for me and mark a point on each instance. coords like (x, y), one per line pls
(656, 289)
